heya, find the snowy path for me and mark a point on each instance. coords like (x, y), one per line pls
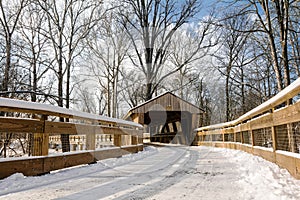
(163, 173)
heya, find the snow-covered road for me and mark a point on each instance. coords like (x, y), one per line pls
(173, 172)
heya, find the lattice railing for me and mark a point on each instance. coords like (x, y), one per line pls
(28, 128)
(274, 126)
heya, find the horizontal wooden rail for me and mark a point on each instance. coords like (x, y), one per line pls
(268, 131)
(283, 96)
(33, 166)
(13, 105)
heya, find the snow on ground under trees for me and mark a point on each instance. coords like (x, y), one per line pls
(173, 172)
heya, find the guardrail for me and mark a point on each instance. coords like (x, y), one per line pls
(271, 130)
(40, 121)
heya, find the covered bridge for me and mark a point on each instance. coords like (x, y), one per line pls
(167, 118)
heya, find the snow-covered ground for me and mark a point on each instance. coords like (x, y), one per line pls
(173, 172)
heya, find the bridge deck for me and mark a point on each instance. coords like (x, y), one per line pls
(172, 172)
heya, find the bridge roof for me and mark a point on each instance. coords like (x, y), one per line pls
(164, 102)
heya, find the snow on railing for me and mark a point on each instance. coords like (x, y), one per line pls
(14, 105)
(283, 96)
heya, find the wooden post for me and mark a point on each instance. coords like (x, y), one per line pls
(140, 140)
(41, 141)
(90, 141)
(128, 139)
(274, 134)
(134, 140)
(292, 144)
(242, 137)
(274, 138)
(252, 137)
(118, 140)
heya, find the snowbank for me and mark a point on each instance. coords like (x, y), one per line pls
(262, 179)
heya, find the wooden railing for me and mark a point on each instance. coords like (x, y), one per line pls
(41, 121)
(271, 130)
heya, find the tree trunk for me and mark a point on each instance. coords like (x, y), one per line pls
(34, 81)
(64, 137)
(115, 93)
(68, 86)
(227, 99)
(148, 91)
(201, 103)
(265, 6)
(243, 91)
(7, 65)
(282, 9)
(108, 97)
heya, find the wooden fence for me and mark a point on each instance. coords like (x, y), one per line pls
(41, 121)
(271, 130)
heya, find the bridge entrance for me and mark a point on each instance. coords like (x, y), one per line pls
(167, 119)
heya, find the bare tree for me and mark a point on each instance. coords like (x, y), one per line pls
(268, 28)
(188, 48)
(151, 26)
(108, 45)
(33, 49)
(69, 22)
(294, 31)
(132, 87)
(9, 17)
(273, 19)
(233, 42)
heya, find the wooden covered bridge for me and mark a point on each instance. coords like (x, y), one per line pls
(167, 118)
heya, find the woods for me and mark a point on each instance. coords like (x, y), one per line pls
(106, 57)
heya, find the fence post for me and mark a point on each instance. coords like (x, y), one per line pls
(242, 137)
(274, 134)
(41, 141)
(118, 140)
(292, 144)
(91, 140)
(234, 136)
(252, 137)
(291, 137)
(134, 140)
(140, 140)
(274, 138)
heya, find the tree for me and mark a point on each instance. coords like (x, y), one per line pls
(294, 39)
(108, 47)
(9, 17)
(151, 26)
(273, 19)
(188, 48)
(69, 22)
(132, 87)
(233, 43)
(33, 50)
